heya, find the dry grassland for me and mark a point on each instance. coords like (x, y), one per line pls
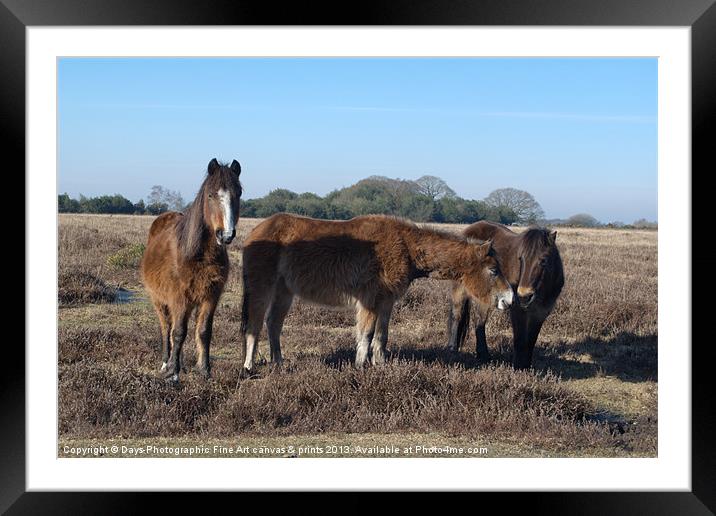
(593, 390)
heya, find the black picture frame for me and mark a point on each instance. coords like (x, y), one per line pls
(699, 15)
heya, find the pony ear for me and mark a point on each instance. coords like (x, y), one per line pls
(213, 165)
(484, 248)
(236, 167)
(552, 237)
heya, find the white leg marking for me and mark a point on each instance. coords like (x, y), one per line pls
(250, 350)
(163, 368)
(362, 351)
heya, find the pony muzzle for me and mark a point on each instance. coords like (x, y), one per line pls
(225, 237)
(505, 299)
(525, 296)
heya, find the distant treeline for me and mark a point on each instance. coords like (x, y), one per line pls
(160, 200)
(427, 199)
(584, 220)
(105, 204)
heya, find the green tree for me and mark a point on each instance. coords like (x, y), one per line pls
(275, 202)
(308, 204)
(157, 208)
(416, 207)
(67, 205)
(247, 208)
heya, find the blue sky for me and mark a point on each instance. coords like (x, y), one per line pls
(578, 134)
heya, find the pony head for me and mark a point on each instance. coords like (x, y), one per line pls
(484, 282)
(536, 253)
(222, 191)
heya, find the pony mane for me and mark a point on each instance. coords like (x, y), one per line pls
(191, 229)
(534, 240)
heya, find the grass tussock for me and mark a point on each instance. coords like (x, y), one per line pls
(105, 345)
(403, 396)
(128, 257)
(124, 402)
(77, 287)
(107, 388)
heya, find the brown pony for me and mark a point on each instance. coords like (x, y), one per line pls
(185, 264)
(531, 263)
(367, 261)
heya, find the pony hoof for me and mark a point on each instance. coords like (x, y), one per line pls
(245, 374)
(378, 361)
(172, 379)
(203, 372)
(163, 368)
(170, 374)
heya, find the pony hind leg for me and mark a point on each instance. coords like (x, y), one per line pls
(380, 338)
(204, 324)
(280, 305)
(254, 310)
(365, 328)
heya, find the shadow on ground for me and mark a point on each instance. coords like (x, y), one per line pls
(629, 357)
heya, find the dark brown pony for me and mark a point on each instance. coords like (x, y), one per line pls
(531, 263)
(185, 264)
(368, 262)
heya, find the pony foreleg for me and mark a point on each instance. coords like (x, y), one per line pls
(380, 338)
(365, 328)
(480, 337)
(178, 335)
(202, 338)
(534, 325)
(521, 358)
(458, 318)
(164, 327)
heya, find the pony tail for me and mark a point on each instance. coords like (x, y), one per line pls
(463, 323)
